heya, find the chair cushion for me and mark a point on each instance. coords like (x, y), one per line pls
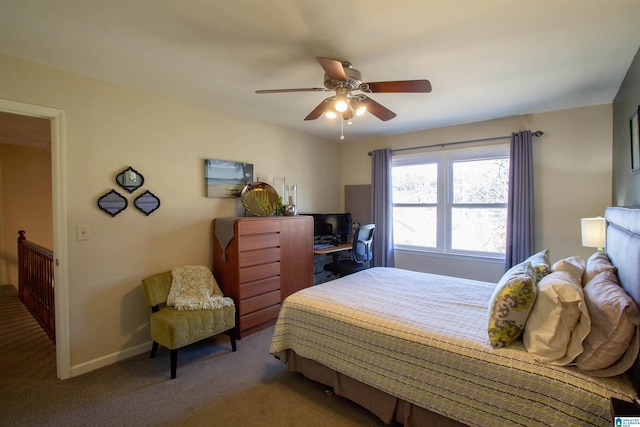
(173, 328)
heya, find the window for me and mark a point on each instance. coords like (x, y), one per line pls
(452, 201)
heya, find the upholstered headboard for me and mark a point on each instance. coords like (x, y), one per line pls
(623, 249)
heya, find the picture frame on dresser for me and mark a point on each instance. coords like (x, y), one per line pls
(634, 137)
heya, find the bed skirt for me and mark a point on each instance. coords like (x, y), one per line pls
(385, 406)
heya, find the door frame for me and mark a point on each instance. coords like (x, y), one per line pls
(59, 210)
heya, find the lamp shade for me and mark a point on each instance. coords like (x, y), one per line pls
(593, 232)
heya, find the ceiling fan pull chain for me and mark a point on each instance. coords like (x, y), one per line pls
(342, 129)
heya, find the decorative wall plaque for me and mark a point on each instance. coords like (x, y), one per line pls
(147, 202)
(130, 179)
(112, 203)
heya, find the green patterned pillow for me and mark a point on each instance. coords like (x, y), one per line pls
(541, 264)
(511, 303)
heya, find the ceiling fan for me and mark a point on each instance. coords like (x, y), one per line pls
(342, 78)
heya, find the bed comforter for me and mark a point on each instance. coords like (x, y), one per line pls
(423, 338)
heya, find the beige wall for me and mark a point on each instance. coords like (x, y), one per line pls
(110, 127)
(572, 163)
(25, 203)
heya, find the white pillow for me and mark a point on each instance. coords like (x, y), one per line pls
(559, 320)
(574, 265)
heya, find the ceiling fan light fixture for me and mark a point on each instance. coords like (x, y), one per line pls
(358, 107)
(330, 112)
(341, 105)
(341, 98)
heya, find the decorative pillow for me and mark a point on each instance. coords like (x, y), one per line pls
(559, 321)
(541, 264)
(184, 277)
(574, 265)
(511, 304)
(597, 263)
(614, 320)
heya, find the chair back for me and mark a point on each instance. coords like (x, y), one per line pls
(362, 241)
(156, 288)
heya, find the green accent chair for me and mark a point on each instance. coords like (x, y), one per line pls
(174, 329)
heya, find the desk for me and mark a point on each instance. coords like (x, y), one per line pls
(320, 275)
(333, 250)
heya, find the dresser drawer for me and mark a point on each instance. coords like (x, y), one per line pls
(257, 272)
(250, 320)
(251, 289)
(249, 305)
(258, 256)
(258, 241)
(258, 226)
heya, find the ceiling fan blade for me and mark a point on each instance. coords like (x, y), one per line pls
(307, 89)
(333, 68)
(378, 110)
(407, 86)
(317, 112)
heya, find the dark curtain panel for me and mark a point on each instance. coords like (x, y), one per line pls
(382, 208)
(520, 244)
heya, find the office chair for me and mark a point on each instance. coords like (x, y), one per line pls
(361, 255)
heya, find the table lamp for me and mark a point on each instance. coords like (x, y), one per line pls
(593, 232)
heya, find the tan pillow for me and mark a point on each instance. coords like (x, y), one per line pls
(574, 265)
(559, 320)
(510, 304)
(597, 263)
(614, 320)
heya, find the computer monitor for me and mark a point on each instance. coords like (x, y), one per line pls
(332, 225)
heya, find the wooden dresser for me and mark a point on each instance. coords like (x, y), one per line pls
(266, 259)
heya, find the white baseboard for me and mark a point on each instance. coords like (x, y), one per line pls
(109, 359)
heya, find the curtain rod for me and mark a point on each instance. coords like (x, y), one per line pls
(537, 133)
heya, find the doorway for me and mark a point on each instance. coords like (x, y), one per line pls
(59, 227)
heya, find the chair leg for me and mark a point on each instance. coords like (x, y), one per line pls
(154, 349)
(232, 337)
(174, 363)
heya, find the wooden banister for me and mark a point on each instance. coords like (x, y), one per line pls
(36, 282)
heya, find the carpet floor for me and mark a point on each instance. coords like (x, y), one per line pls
(214, 386)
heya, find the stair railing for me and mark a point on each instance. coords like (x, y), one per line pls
(35, 282)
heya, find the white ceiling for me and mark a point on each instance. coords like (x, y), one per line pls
(484, 58)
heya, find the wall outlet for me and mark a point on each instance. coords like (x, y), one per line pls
(82, 231)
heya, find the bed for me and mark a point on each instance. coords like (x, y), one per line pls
(413, 348)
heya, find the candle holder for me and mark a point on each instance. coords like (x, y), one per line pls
(290, 201)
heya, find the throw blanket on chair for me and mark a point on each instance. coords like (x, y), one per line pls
(193, 287)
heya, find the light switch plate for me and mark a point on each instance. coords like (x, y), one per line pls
(82, 231)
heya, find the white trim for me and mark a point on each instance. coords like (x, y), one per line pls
(480, 257)
(109, 359)
(59, 198)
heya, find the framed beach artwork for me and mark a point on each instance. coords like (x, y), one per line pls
(223, 178)
(634, 132)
